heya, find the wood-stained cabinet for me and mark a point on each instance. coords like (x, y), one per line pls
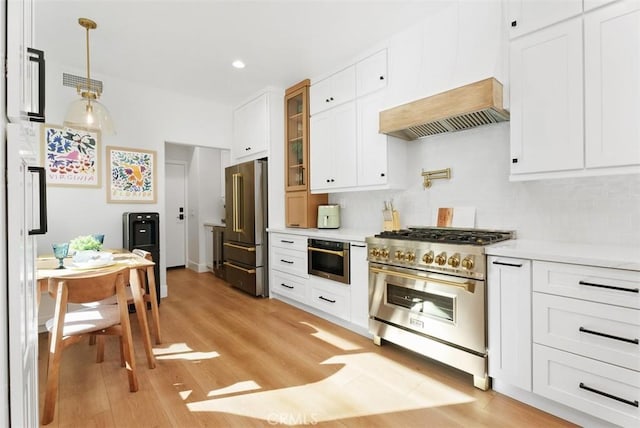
(301, 207)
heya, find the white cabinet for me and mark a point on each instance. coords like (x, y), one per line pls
(552, 89)
(612, 85)
(546, 100)
(359, 285)
(527, 15)
(371, 73)
(288, 266)
(592, 4)
(255, 124)
(586, 325)
(333, 148)
(509, 320)
(330, 296)
(333, 91)
(25, 65)
(381, 158)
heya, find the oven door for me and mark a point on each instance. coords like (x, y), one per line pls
(444, 307)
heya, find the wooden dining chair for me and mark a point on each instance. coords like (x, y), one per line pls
(68, 327)
(150, 297)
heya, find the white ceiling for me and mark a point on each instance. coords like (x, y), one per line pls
(188, 46)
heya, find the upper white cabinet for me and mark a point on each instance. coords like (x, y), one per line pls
(333, 148)
(546, 100)
(25, 65)
(592, 4)
(571, 117)
(381, 158)
(371, 73)
(527, 15)
(612, 85)
(333, 91)
(255, 124)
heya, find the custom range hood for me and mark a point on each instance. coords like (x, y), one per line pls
(475, 104)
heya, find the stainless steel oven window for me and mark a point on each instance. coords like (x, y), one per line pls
(437, 306)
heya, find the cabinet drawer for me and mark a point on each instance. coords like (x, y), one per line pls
(602, 390)
(331, 299)
(291, 261)
(594, 330)
(603, 285)
(294, 242)
(289, 285)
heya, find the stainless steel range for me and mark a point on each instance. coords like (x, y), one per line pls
(427, 293)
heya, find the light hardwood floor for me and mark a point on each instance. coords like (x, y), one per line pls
(231, 360)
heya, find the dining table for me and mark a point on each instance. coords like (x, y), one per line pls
(46, 267)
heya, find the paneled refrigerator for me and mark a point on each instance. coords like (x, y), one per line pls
(245, 237)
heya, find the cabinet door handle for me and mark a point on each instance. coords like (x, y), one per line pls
(359, 245)
(609, 287)
(381, 77)
(514, 23)
(609, 336)
(291, 287)
(286, 261)
(286, 242)
(633, 403)
(42, 199)
(519, 265)
(326, 300)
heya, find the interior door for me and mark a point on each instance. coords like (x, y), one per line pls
(176, 212)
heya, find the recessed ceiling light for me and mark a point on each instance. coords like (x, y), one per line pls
(238, 64)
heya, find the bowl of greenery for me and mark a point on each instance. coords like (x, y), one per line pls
(85, 243)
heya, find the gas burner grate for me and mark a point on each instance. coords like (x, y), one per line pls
(448, 236)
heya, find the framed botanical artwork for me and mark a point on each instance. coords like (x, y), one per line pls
(71, 157)
(132, 175)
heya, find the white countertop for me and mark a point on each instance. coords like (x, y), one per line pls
(610, 256)
(341, 233)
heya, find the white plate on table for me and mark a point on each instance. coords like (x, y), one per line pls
(92, 265)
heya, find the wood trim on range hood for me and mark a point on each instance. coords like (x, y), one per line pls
(475, 104)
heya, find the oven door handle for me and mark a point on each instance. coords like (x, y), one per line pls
(322, 250)
(466, 286)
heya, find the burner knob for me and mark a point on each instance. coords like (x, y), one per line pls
(428, 257)
(454, 261)
(399, 255)
(411, 257)
(441, 258)
(467, 263)
(384, 253)
(375, 252)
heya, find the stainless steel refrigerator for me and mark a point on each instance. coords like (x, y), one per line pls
(245, 237)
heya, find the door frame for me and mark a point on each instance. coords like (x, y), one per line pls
(186, 207)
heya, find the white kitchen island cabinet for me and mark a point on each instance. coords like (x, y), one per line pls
(509, 320)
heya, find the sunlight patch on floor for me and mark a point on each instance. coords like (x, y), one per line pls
(185, 394)
(237, 387)
(174, 348)
(331, 338)
(368, 384)
(191, 356)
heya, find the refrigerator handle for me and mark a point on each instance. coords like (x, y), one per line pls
(237, 201)
(42, 200)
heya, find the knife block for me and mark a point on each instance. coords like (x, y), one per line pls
(393, 224)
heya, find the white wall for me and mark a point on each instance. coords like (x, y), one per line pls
(144, 118)
(595, 210)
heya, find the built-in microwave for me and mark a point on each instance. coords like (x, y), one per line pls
(329, 259)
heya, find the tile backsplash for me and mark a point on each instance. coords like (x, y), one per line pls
(598, 210)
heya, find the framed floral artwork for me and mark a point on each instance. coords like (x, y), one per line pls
(132, 175)
(71, 157)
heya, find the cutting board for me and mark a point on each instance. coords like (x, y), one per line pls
(454, 217)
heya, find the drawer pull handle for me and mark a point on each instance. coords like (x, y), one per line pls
(610, 287)
(286, 242)
(507, 264)
(231, 265)
(326, 300)
(286, 261)
(240, 247)
(291, 287)
(609, 336)
(613, 397)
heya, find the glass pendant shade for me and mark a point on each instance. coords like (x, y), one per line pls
(90, 115)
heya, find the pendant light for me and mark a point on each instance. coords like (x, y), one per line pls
(87, 113)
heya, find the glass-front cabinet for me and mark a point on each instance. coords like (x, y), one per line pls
(301, 207)
(297, 118)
